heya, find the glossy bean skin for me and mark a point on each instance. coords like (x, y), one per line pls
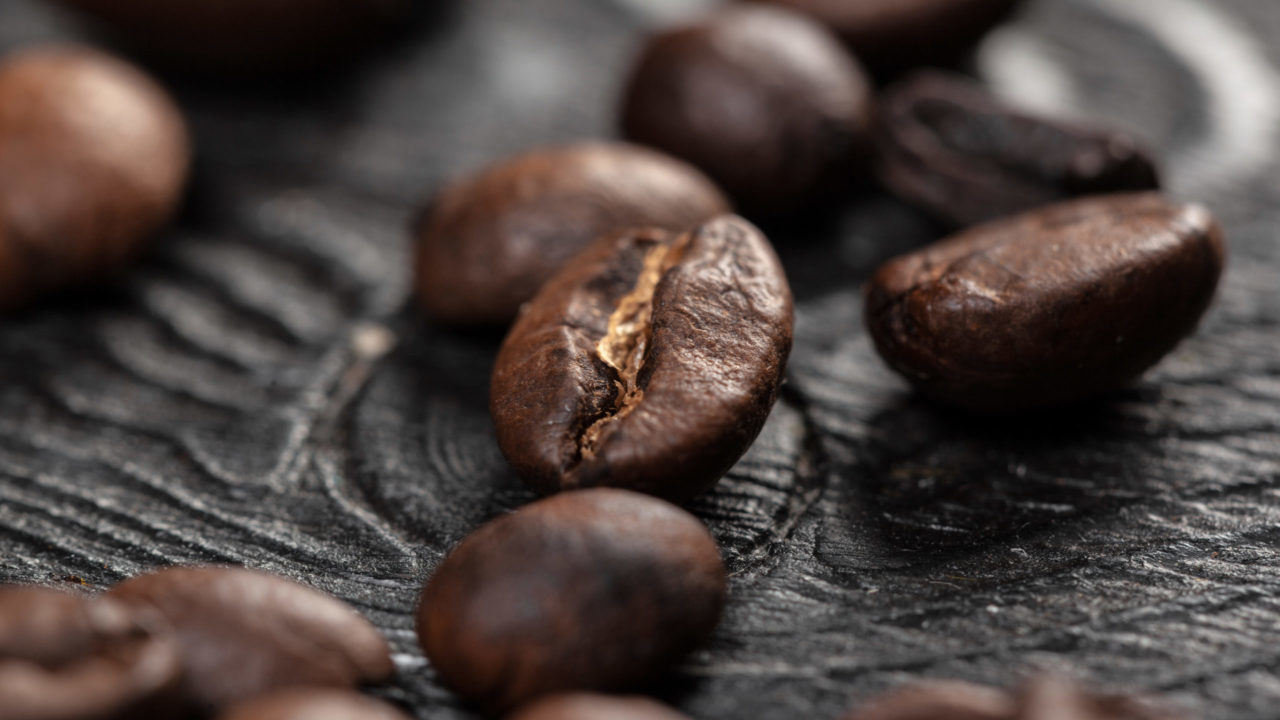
(598, 590)
(1050, 307)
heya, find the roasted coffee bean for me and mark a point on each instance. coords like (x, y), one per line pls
(890, 35)
(597, 589)
(93, 160)
(244, 36)
(764, 100)
(313, 704)
(67, 657)
(589, 706)
(948, 146)
(1048, 307)
(650, 362)
(1045, 698)
(490, 241)
(245, 633)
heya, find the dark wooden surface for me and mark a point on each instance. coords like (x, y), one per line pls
(255, 393)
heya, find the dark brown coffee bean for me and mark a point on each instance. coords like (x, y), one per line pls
(67, 657)
(650, 362)
(1048, 307)
(592, 590)
(490, 241)
(764, 100)
(589, 706)
(246, 633)
(93, 159)
(890, 35)
(948, 146)
(244, 36)
(313, 704)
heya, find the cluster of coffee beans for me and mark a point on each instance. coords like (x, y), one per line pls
(651, 333)
(186, 643)
(652, 328)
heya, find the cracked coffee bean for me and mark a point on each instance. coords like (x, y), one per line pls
(1049, 307)
(589, 706)
(245, 633)
(597, 589)
(93, 161)
(891, 35)
(1045, 698)
(764, 100)
(313, 704)
(650, 362)
(244, 36)
(951, 148)
(67, 657)
(490, 241)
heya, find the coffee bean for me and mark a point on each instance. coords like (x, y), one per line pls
(490, 241)
(936, 700)
(1048, 307)
(948, 146)
(589, 706)
(592, 590)
(246, 633)
(1044, 698)
(93, 159)
(764, 100)
(244, 36)
(313, 704)
(67, 657)
(650, 362)
(890, 35)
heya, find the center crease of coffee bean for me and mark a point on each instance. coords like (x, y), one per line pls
(624, 343)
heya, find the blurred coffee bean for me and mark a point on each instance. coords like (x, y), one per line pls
(244, 36)
(313, 704)
(891, 35)
(93, 160)
(491, 240)
(938, 701)
(589, 706)
(951, 148)
(67, 657)
(1044, 698)
(1048, 307)
(245, 633)
(592, 590)
(650, 362)
(764, 100)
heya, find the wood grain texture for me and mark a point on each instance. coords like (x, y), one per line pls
(255, 393)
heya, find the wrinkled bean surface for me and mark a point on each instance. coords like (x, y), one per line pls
(650, 362)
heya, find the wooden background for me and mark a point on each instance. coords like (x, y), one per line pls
(256, 393)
